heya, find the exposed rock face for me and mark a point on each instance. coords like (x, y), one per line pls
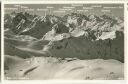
(38, 26)
(86, 49)
(66, 45)
(93, 36)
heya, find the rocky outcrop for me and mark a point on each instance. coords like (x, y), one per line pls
(82, 48)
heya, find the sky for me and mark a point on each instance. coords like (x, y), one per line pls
(62, 9)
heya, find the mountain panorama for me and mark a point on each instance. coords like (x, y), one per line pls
(73, 46)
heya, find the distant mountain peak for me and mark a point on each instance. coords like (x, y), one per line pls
(38, 26)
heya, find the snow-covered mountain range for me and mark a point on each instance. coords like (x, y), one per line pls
(74, 46)
(51, 26)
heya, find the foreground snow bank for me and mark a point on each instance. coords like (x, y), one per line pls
(68, 69)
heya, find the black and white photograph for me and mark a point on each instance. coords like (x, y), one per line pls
(0, 41)
(64, 41)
